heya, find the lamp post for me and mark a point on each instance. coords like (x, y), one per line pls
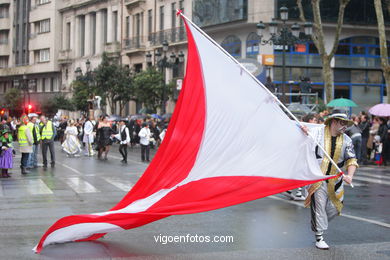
(163, 62)
(25, 85)
(286, 37)
(87, 77)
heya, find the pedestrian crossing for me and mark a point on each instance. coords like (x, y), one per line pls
(26, 187)
(79, 185)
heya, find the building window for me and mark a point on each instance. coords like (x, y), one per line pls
(115, 24)
(150, 24)
(42, 26)
(252, 45)
(181, 7)
(3, 62)
(82, 35)
(68, 33)
(127, 27)
(104, 17)
(4, 37)
(4, 11)
(43, 55)
(161, 18)
(55, 85)
(42, 2)
(93, 32)
(232, 44)
(173, 15)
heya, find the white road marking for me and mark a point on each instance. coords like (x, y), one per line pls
(358, 178)
(300, 204)
(36, 187)
(373, 175)
(119, 183)
(80, 186)
(70, 168)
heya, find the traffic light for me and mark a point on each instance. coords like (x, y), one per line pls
(2, 112)
(29, 108)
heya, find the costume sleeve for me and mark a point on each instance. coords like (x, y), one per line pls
(349, 153)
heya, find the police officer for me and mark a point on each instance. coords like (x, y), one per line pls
(25, 143)
(47, 132)
(35, 131)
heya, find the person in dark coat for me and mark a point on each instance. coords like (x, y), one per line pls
(383, 133)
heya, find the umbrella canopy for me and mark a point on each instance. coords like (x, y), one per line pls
(32, 114)
(301, 108)
(114, 118)
(380, 110)
(341, 102)
(135, 117)
(156, 116)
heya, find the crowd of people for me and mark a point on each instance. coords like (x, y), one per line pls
(370, 136)
(86, 136)
(83, 136)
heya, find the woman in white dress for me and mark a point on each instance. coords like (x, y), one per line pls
(71, 145)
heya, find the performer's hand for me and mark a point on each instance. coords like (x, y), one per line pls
(305, 129)
(347, 179)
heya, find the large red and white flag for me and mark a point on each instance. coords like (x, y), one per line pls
(228, 142)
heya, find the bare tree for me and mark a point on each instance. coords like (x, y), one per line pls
(383, 44)
(319, 41)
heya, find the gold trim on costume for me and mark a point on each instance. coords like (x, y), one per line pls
(333, 171)
(350, 162)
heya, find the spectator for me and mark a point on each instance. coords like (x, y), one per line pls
(270, 85)
(145, 135)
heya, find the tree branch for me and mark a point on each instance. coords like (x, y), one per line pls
(382, 34)
(303, 19)
(301, 12)
(343, 4)
(319, 40)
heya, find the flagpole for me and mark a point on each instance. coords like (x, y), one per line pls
(179, 12)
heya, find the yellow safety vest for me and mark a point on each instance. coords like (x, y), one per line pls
(37, 132)
(47, 131)
(22, 137)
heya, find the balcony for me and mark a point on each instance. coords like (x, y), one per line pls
(135, 43)
(133, 3)
(5, 23)
(177, 34)
(65, 57)
(112, 47)
(5, 49)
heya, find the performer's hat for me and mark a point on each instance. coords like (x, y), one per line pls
(340, 115)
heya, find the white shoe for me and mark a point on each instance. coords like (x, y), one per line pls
(288, 194)
(299, 198)
(322, 245)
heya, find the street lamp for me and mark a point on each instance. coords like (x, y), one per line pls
(25, 85)
(87, 78)
(163, 62)
(286, 37)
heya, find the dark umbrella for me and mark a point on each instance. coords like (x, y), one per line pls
(156, 116)
(135, 117)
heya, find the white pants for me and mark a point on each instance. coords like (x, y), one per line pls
(322, 209)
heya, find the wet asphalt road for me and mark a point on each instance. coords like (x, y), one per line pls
(268, 228)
